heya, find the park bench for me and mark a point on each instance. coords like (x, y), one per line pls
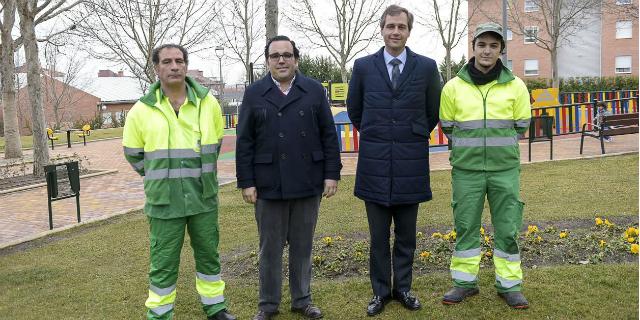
(86, 131)
(612, 125)
(51, 137)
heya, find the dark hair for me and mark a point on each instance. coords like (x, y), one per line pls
(394, 10)
(155, 55)
(296, 52)
(497, 35)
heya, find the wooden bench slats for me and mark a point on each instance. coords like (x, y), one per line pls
(612, 125)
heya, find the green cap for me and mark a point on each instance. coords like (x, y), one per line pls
(488, 27)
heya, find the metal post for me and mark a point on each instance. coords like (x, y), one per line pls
(78, 205)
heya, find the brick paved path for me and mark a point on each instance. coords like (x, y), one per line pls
(24, 215)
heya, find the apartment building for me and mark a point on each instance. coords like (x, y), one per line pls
(605, 44)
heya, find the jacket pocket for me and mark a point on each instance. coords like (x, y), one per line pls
(317, 156)
(420, 128)
(263, 158)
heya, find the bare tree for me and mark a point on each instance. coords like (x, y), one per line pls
(13, 146)
(451, 25)
(125, 31)
(240, 30)
(30, 15)
(348, 31)
(61, 81)
(271, 18)
(559, 21)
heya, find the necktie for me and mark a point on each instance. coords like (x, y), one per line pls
(395, 72)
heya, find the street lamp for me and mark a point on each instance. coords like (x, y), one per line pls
(220, 54)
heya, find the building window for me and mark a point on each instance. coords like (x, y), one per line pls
(530, 34)
(530, 6)
(621, 2)
(510, 64)
(509, 34)
(624, 29)
(531, 67)
(623, 64)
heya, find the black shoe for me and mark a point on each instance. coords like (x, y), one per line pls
(309, 312)
(376, 305)
(407, 300)
(457, 294)
(222, 315)
(515, 299)
(263, 315)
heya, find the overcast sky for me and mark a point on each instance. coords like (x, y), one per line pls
(421, 40)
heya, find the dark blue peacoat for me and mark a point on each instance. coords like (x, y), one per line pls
(394, 125)
(286, 144)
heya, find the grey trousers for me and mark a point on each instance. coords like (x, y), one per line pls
(281, 222)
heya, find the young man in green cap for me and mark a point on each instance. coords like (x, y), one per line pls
(172, 137)
(482, 111)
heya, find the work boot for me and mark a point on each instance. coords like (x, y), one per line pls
(457, 294)
(515, 299)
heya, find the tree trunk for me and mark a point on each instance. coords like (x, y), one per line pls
(26, 10)
(343, 73)
(13, 145)
(447, 63)
(271, 18)
(554, 69)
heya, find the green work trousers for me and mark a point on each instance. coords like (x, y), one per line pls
(502, 189)
(166, 239)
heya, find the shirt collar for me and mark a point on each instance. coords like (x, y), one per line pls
(290, 83)
(388, 57)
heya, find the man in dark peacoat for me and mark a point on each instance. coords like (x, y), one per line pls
(287, 157)
(393, 100)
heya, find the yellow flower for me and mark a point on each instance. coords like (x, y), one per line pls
(608, 223)
(453, 235)
(419, 235)
(634, 248)
(436, 235)
(327, 241)
(631, 239)
(563, 234)
(482, 231)
(489, 253)
(486, 239)
(598, 221)
(532, 229)
(538, 239)
(603, 243)
(425, 254)
(632, 232)
(446, 236)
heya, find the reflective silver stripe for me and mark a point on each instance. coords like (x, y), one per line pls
(172, 173)
(163, 291)
(138, 165)
(467, 253)
(162, 309)
(479, 142)
(133, 151)
(507, 283)
(172, 153)
(208, 148)
(479, 124)
(209, 167)
(212, 300)
(506, 256)
(447, 123)
(210, 278)
(523, 123)
(500, 123)
(459, 275)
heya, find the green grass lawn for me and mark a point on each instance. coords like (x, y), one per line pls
(27, 141)
(99, 271)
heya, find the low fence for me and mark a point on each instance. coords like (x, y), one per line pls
(582, 97)
(230, 120)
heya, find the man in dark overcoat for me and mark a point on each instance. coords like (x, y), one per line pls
(393, 100)
(287, 158)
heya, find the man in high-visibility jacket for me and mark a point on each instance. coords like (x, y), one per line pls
(172, 137)
(482, 111)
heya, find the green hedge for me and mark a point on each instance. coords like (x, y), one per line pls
(586, 84)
